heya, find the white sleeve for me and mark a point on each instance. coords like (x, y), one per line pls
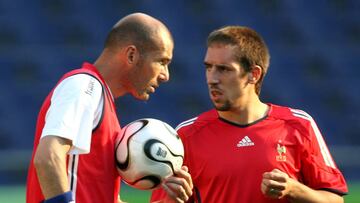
(75, 110)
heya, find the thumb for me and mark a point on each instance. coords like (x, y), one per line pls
(185, 168)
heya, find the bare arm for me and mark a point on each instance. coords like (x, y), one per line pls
(50, 164)
(277, 184)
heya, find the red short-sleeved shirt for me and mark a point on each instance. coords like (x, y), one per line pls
(226, 160)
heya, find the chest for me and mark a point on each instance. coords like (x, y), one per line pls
(228, 151)
(107, 130)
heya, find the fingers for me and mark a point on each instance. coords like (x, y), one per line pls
(272, 192)
(185, 168)
(272, 189)
(173, 195)
(179, 187)
(276, 175)
(274, 184)
(183, 173)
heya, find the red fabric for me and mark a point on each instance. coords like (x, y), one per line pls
(97, 177)
(224, 171)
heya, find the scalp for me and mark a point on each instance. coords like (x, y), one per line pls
(138, 29)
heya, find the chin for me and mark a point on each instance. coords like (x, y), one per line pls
(222, 107)
(146, 98)
(142, 97)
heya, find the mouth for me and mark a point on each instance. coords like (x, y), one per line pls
(215, 94)
(152, 89)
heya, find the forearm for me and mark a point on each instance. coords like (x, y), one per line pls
(277, 185)
(50, 164)
(301, 193)
(52, 178)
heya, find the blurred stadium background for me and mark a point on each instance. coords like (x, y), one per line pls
(315, 66)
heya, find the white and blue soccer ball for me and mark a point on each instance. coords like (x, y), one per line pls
(148, 151)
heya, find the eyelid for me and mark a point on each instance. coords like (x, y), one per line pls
(225, 67)
(165, 61)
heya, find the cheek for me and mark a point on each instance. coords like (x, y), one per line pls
(154, 72)
(234, 87)
(147, 77)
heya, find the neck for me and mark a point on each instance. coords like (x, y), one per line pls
(109, 71)
(246, 112)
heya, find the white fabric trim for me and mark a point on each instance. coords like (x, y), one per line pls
(323, 148)
(75, 110)
(72, 174)
(186, 123)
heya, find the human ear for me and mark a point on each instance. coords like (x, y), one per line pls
(132, 54)
(255, 74)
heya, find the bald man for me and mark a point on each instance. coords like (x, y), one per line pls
(73, 156)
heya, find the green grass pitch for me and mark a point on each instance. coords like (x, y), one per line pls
(16, 194)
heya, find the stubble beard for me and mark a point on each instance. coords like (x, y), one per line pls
(142, 93)
(224, 107)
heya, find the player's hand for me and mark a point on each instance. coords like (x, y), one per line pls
(178, 187)
(275, 184)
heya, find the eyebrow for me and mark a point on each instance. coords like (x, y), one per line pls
(206, 64)
(217, 65)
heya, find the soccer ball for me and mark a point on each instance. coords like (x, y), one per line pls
(148, 151)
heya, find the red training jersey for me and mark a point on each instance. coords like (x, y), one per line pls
(226, 160)
(93, 177)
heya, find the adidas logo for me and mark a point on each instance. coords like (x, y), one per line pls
(245, 142)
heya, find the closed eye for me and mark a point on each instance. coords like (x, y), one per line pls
(220, 67)
(164, 62)
(207, 66)
(223, 68)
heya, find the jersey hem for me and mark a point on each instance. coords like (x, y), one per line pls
(338, 192)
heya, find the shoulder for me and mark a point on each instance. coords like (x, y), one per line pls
(79, 88)
(193, 125)
(84, 83)
(296, 118)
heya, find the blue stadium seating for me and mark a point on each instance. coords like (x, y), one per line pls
(315, 49)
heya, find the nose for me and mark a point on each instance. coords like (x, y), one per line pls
(164, 75)
(212, 76)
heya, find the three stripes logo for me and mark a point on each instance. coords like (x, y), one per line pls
(245, 142)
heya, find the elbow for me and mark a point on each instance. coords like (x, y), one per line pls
(51, 153)
(336, 198)
(341, 200)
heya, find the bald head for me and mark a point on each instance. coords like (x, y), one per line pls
(141, 30)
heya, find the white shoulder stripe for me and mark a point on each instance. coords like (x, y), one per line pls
(300, 112)
(186, 123)
(323, 148)
(301, 116)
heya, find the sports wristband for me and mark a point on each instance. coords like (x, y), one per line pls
(62, 198)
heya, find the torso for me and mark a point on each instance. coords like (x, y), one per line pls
(227, 161)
